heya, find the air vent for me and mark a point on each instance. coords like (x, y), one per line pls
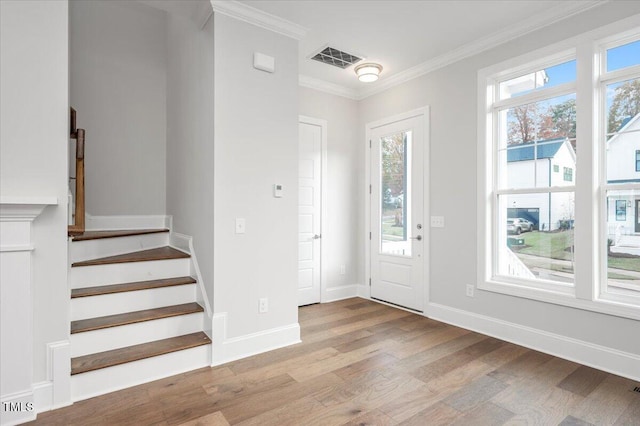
(335, 57)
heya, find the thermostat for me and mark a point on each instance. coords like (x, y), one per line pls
(277, 190)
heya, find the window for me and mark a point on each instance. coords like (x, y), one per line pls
(543, 113)
(568, 174)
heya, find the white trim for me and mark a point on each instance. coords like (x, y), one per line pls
(325, 86)
(15, 248)
(601, 357)
(231, 349)
(324, 212)
(259, 18)
(369, 127)
(333, 294)
(20, 209)
(55, 392)
(120, 222)
(185, 243)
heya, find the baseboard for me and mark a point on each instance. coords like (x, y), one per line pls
(17, 408)
(601, 357)
(333, 294)
(93, 223)
(363, 291)
(231, 349)
(55, 392)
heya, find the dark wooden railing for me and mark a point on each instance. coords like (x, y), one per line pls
(78, 134)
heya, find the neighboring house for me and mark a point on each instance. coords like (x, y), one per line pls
(623, 166)
(539, 164)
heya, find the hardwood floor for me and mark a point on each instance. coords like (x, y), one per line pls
(362, 363)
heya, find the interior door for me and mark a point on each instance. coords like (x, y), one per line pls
(397, 217)
(309, 212)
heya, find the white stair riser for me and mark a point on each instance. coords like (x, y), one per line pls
(100, 382)
(89, 276)
(106, 339)
(131, 301)
(93, 249)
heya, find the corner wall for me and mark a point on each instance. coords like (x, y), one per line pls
(190, 161)
(344, 185)
(256, 146)
(118, 86)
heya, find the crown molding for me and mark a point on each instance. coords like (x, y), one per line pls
(550, 16)
(325, 86)
(259, 18)
(538, 21)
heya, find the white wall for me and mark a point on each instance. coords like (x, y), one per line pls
(190, 137)
(344, 178)
(451, 93)
(33, 153)
(118, 87)
(256, 146)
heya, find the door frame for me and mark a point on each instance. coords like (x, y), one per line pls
(369, 127)
(323, 199)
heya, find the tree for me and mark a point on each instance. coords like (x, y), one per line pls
(523, 121)
(626, 104)
(563, 119)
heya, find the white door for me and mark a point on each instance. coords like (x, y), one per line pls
(309, 212)
(397, 218)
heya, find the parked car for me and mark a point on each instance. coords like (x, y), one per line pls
(518, 225)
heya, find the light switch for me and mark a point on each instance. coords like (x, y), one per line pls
(437, 221)
(240, 225)
(277, 190)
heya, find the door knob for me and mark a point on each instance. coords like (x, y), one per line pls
(419, 238)
(317, 236)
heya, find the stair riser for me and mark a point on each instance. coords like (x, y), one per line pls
(89, 276)
(93, 249)
(120, 303)
(100, 382)
(91, 342)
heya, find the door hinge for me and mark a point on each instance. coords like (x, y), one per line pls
(369, 235)
(370, 144)
(369, 282)
(369, 189)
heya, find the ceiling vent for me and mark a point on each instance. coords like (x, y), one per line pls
(335, 57)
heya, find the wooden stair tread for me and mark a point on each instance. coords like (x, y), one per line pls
(161, 253)
(96, 235)
(132, 286)
(108, 321)
(120, 356)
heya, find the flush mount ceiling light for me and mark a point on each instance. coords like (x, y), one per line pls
(368, 72)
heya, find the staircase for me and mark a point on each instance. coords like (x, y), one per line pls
(134, 311)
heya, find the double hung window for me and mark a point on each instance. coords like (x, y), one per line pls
(556, 129)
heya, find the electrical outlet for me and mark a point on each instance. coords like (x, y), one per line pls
(437, 221)
(263, 305)
(240, 225)
(343, 269)
(470, 290)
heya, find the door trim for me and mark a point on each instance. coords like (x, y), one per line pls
(369, 127)
(323, 200)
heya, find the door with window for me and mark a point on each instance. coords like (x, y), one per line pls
(397, 213)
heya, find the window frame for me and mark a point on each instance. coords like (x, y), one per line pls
(588, 291)
(637, 160)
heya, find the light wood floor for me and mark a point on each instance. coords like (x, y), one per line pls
(362, 363)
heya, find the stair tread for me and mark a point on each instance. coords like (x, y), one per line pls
(124, 355)
(116, 320)
(160, 253)
(95, 235)
(132, 286)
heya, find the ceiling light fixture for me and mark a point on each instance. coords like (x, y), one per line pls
(368, 73)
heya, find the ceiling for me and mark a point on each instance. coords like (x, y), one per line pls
(407, 37)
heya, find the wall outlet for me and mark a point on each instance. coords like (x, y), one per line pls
(343, 269)
(240, 225)
(263, 305)
(437, 221)
(470, 290)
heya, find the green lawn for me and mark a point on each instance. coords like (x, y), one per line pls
(555, 245)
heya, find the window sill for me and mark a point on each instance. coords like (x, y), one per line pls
(563, 297)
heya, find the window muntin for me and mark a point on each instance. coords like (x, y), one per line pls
(542, 78)
(638, 160)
